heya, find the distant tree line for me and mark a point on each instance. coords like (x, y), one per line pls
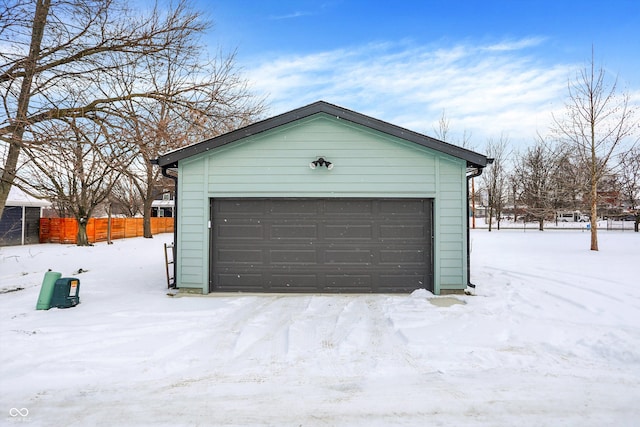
(589, 162)
(546, 178)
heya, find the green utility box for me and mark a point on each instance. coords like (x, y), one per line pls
(66, 293)
(46, 291)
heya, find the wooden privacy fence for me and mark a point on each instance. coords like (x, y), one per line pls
(65, 230)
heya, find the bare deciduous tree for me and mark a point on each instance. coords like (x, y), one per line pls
(596, 124)
(629, 178)
(213, 99)
(124, 200)
(495, 177)
(570, 182)
(77, 167)
(442, 132)
(536, 174)
(65, 59)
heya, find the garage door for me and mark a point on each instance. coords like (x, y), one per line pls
(321, 245)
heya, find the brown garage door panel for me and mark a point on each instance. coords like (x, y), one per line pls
(293, 257)
(402, 256)
(249, 282)
(417, 232)
(294, 231)
(239, 230)
(321, 245)
(348, 231)
(229, 257)
(402, 282)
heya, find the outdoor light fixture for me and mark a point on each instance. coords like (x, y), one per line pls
(321, 162)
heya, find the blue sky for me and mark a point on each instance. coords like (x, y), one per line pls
(493, 67)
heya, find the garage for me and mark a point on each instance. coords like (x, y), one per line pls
(321, 245)
(322, 199)
(20, 222)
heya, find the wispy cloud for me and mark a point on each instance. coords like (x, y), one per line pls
(293, 15)
(509, 45)
(485, 90)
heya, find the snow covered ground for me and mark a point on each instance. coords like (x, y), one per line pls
(550, 338)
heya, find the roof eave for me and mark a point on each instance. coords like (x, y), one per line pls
(172, 158)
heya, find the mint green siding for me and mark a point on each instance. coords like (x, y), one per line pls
(367, 163)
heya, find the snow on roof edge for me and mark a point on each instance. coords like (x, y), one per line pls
(17, 197)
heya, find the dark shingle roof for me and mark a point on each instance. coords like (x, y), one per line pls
(473, 159)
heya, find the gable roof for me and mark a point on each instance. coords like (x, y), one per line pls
(172, 158)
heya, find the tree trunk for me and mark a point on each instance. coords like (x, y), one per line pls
(9, 172)
(146, 218)
(594, 230)
(146, 227)
(109, 224)
(147, 201)
(594, 192)
(594, 215)
(82, 239)
(9, 168)
(490, 216)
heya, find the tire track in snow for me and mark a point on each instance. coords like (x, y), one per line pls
(321, 356)
(252, 338)
(581, 298)
(233, 322)
(368, 338)
(266, 333)
(387, 336)
(566, 283)
(576, 308)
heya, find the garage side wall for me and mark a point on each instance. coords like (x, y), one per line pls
(366, 163)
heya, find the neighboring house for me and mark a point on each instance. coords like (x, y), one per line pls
(163, 204)
(20, 222)
(163, 207)
(322, 199)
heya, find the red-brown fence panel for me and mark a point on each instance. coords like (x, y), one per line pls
(65, 230)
